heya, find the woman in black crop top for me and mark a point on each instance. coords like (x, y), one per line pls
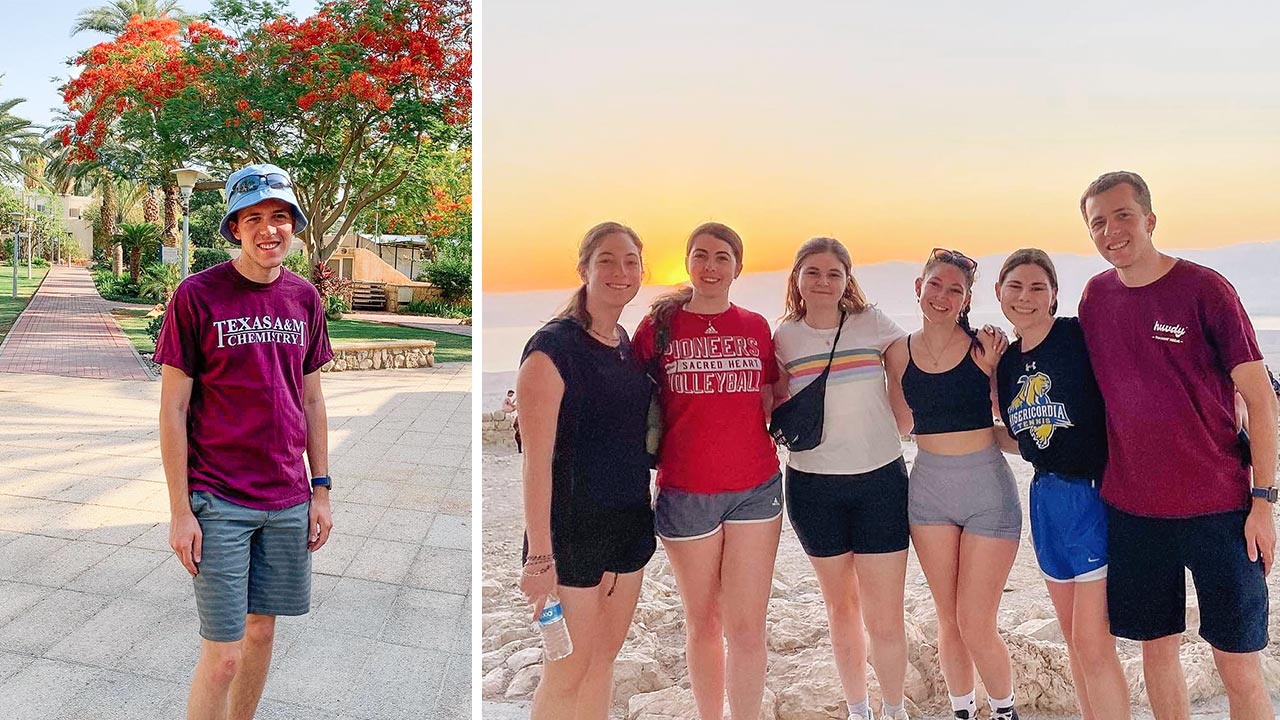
(1054, 418)
(583, 405)
(962, 500)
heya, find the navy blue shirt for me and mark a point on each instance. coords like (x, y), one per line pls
(599, 457)
(1050, 403)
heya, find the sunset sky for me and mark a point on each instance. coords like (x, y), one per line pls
(891, 128)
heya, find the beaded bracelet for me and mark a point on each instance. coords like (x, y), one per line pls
(539, 559)
(550, 564)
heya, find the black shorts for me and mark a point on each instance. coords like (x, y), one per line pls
(863, 513)
(605, 540)
(1146, 579)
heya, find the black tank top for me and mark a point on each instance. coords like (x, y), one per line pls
(599, 459)
(952, 401)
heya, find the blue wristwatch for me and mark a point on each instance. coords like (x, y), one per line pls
(1270, 494)
(322, 481)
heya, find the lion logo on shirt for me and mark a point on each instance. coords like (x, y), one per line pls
(1033, 411)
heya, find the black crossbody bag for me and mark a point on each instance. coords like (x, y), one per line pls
(797, 423)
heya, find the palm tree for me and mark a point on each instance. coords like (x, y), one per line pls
(18, 139)
(135, 238)
(114, 16)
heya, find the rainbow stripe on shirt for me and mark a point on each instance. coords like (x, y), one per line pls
(854, 365)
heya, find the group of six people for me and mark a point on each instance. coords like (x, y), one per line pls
(1128, 415)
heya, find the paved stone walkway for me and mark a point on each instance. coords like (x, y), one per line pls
(97, 618)
(68, 330)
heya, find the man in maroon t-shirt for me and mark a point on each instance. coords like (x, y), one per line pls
(241, 349)
(1171, 345)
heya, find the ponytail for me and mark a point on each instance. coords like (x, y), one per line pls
(576, 308)
(963, 321)
(664, 306)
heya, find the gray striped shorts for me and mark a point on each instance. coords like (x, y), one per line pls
(251, 561)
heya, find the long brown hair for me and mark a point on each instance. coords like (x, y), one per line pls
(852, 301)
(1033, 256)
(576, 307)
(664, 306)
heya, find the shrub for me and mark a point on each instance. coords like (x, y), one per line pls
(451, 272)
(39, 262)
(120, 289)
(153, 328)
(329, 284)
(158, 281)
(204, 258)
(298, 263)
(335, 306)
(436, 308)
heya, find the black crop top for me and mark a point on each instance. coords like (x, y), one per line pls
(952, 401)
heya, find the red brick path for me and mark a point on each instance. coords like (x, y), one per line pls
(68, 330)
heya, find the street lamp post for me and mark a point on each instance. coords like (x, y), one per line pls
(188, 176)
(17, 231)
(31, 240)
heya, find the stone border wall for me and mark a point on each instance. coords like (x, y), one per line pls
(496, 430)
(382, 355)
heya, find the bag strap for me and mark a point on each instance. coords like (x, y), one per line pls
(834, 343)
(661, 338)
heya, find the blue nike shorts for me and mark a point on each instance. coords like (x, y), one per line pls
(1068, 528)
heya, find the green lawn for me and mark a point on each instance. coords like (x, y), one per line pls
(134, 321)
(449, 347)
(9, 307)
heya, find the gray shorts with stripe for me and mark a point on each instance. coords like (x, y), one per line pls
(252, 561)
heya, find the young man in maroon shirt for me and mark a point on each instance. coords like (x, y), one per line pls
(241, 348)
(1171, 345)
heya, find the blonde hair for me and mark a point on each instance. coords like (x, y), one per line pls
(852, 301)
(576, 307)
(664, 306)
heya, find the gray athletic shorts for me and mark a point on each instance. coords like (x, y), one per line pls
(682, 515)
(251, 561)
(976, 492)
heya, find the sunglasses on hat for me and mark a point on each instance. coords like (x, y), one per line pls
(250, 183)
(955, 257)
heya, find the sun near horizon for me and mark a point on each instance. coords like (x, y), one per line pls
(895, 129)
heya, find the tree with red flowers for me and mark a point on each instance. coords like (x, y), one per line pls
(340, 98)
(347, 100)
(122, 98)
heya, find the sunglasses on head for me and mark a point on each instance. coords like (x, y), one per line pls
(249, 183)
(955, 257)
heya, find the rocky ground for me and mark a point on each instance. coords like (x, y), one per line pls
(651, 680)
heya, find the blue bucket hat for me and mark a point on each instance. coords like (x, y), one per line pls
(251, 185)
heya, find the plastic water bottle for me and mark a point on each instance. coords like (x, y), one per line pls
(555, 631)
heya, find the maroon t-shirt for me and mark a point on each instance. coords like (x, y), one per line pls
(1163, 355)
(246, 345)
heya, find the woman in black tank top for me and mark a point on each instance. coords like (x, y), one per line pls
(588, 523)
(962, 499)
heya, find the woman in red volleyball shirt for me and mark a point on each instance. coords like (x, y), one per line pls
(719, 508)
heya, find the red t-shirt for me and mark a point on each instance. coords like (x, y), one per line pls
(714, 437)
(246, 345)
(1163, 355)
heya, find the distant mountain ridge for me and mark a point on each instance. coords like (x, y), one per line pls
(1251, 267)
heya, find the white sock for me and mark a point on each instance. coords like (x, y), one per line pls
(858, 711)
(890, 710)
(1000, 703)
(966, 702)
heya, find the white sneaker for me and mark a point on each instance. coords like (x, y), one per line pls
(900, 715)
